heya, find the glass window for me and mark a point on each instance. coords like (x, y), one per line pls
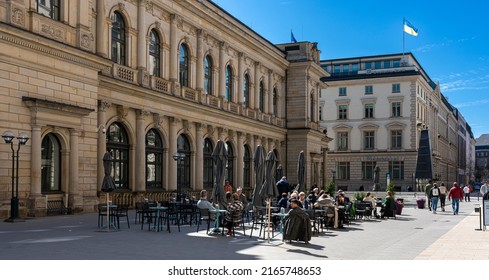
(342, 141)
(208, 85)
(246, 90)
(396, 139)
(118, 146)
(396, 109)
(343, 112)
(378, 64)
(49, 8)
(118, 48)
(354, 67)
(247, 167)
(396, 169)
(262, 97)
(312, 105)
(320, 113)
(230, 164)
(368, 170)
(346, 68)
(337, 69)
(396, 88)
(229, 84)
(397, 63)
(154, 53)
(183, 166)
(275, 102)
(208, 164)
(154, 160)
(342, 91)
(387, 64)
(368, 65)
(50, 164)
(369, 111)
(369, 89)
(368, 140)
(183, 71)
(343, 171)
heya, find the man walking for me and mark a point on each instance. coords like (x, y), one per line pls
(467, 193)
(455, 194)
(427, 190)
(443, 196)
(434, 194)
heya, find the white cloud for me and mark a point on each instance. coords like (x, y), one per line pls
(472, 103)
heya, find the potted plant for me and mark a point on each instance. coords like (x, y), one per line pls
(421, 201)
(399, 202)
(359, 196)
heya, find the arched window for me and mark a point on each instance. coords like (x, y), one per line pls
(154, 54)
(183, 65)
(208, 165)
(230, 164)
(49, 8)
(50, 164)
(262, 97)
(154, 160)
(247, 167)
(229, 84)
(118, 39)
(118, 146)
(246, 90)
(183, 147)
(208, 85)
(275, 102)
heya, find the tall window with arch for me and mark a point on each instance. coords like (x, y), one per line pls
(154, 160)
(262, 97)
(275, 102)
(229, 84)
(230, 163)
(247, 167)
(49, 8)
(154, 53)
(246, 91)
(118, 147)
(312, 105)
(118, 46)
(50, 164)
(208, 164)
(208, 84)
(183, 147)
(184, 65)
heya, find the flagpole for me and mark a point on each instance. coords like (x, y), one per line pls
(403, 36)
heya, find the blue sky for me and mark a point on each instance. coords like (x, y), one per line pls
(452, 45)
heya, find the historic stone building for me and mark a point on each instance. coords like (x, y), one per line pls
(145, 80)
(374, 108)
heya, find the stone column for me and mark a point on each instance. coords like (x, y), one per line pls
(36, 161)
(269, 97)
(239, 158)
(222, 71)
(140, 151)
(72, 188)
(240, 90)
(101, 140)
(174, 49)
(172, 149)
(256, 103)
(101, 29)
(200, 60)
(142, 49)
(199, 156)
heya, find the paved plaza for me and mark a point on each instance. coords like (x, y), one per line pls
(417, 234)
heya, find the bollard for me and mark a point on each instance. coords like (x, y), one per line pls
(477, 209)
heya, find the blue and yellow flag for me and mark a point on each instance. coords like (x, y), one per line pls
(409, 28)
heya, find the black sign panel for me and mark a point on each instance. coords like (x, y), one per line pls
(424, 165)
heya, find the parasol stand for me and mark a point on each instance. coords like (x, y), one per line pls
(268, 216)
(108, 211)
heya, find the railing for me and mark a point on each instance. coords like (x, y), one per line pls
(189, 93)
(124, 73)
(160, 84)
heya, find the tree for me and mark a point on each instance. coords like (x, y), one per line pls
(330, 188)
(391, 188)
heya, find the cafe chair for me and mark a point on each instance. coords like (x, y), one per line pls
(237, 217)
(148, 216)
(173, 214)
(260, 218)
(121, 212)
(102, 214)
(139, 212)
(205, 216)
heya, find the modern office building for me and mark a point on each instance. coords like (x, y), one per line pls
(482, 158)
(155, 83)
(374, 108)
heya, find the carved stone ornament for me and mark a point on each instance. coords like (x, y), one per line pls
(122, 112)
(86, 41)
(149, 6)
(158, 120)
(52, 31)
(18, 16)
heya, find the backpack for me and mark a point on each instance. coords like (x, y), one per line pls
(435, 192)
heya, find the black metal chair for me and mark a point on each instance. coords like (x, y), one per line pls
(173, 214)
(260, 218)
(204, 215)
(148, 215)
(237, 217)
(121, 212)
(102, 214)
(139, 212)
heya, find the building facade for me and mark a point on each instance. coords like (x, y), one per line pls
(374, 109)
(146, 80)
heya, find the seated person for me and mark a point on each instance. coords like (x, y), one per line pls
(303, 200)
(370, 199)
(313, 196)
(284, 201)
(297, 224)
(325, 201)
(389, 207)
(341, 202)
(234, 214)
(203, 203)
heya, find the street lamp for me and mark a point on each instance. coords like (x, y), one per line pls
(8, 137)
(179, 157)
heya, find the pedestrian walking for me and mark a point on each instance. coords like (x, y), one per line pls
(455, 194)
(427, 190)
(467, 193)
(443, 196)
(434, 195)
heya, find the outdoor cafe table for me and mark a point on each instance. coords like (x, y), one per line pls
(159, 211)
(110, 216)
(282, 217)
(217, 224)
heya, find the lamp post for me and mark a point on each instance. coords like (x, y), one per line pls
(179, 157)
(8, 137)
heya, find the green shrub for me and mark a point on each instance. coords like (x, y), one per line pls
(330, 188)
(359, 196)
(391, 188)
